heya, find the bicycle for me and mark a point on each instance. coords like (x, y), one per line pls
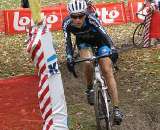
(102, 98)
(139, 33)
(140, 30)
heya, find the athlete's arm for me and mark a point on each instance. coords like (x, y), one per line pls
(67, 38)
(96, 23)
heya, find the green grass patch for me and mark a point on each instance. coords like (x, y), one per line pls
(78, 119)
(13, 4)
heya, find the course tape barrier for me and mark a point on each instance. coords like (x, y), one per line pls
(16, 20)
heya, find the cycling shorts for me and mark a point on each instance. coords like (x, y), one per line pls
(103, 49)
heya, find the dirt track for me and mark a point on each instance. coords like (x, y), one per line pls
(138, 85)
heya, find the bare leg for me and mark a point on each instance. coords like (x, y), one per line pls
(107, 70)
(88, 66)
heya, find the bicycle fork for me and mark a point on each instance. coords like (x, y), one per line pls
(98, 78)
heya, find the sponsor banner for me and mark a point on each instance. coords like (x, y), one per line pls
(155, 25)
(134, 7)
(17, 20)
(111, 13)
(2, 25)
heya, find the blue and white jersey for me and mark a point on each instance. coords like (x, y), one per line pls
(91, 33)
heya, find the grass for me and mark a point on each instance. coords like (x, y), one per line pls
(12, 4)
(9, 4)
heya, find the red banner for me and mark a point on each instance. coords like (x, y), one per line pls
(134, 7)
(112, 13)
(2, 25)
(17, 20)
(155, 25)
(108, 13)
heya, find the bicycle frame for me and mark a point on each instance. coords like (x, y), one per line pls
(99, 78)
(102, 88)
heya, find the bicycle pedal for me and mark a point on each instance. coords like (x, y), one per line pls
(116, 123)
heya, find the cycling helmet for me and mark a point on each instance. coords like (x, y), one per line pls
(77, 6)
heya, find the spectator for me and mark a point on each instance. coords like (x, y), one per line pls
(90, 33)
(153, 5)
(24, 4)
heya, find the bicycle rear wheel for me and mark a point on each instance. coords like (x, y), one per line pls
(138, 36)
(101, 109)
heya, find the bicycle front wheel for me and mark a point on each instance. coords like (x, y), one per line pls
(138, 36)
(101, 109)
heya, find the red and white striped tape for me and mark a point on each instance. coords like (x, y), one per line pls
(50, 91)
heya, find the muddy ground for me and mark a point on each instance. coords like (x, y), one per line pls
(139, 88)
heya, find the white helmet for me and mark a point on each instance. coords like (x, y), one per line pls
(77, 6)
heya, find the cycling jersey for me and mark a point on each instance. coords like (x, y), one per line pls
(91, 33)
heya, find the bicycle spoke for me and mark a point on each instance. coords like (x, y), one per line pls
(138, 36)
(103, 121)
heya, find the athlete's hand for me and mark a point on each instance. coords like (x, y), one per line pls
(70, 65)
(114, 55)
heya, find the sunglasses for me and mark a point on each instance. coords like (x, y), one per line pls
(79, 16)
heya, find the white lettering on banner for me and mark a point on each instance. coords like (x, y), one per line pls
(51, 19)
(24, 21)
(19, 23)
(112, 15)
(144, 11)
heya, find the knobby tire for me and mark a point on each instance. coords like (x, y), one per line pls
(102, 119)
(138, 36)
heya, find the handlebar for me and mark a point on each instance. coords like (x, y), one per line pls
(93, 58)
